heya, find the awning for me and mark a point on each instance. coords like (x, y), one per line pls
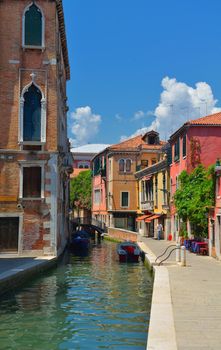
(152, 218)
(143, 217)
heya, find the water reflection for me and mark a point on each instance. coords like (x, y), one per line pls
(90, 303)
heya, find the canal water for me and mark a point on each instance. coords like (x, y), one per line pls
(91, 302)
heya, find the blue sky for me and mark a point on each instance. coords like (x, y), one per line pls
(135, 65)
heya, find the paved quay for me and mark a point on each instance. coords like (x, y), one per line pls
(194, 296)
(14, 270)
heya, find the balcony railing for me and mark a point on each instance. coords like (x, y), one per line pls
(165, 207)
(147, 205)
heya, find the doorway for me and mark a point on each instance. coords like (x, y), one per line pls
(9, 228)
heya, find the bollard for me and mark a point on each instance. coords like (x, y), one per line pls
(183, 255)
(178, 259)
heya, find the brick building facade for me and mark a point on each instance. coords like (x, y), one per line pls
(35, 161)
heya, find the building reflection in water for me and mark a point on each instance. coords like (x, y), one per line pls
(87, 303)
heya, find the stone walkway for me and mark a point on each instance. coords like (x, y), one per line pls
(14, 270)
(196, 298)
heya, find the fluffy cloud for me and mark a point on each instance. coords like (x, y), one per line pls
(141, 115)
(118, 117)
(179, 103)
(84, 125)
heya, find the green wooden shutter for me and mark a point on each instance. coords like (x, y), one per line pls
(33, 26)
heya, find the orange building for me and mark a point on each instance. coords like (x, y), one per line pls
(115, 194)
(35, 160)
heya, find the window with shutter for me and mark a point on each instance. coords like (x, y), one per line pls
(121, 165)
(184, 145)
(124, 199)
(32, 114)
(32, 182)
(177, 150)
(128, 165)
(33, 26)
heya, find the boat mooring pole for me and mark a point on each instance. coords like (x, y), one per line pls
(183, 255)
(178, 258)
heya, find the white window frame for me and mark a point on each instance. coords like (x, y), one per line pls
(84, 164)
(125, 165)
(21, 116)
(125, 161)
(43, 28)
(25, 164)
(96, 190)
(119, 165)
(126, 206)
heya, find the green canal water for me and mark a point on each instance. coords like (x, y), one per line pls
(91, 302)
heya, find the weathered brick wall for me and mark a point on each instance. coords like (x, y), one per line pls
(39, 227)
(121, 234)
(17, 63)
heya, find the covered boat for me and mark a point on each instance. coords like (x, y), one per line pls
(80, 240)
(128, 251)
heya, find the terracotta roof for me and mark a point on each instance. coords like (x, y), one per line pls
(213, 119)
(133, 144)
(208, 120)
(60, 12)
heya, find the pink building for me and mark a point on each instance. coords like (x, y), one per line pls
(215, 217)
(83, 155)
(99, 195)
(196, 142)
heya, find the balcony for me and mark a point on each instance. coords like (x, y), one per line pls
(165, 207)
(147, 205)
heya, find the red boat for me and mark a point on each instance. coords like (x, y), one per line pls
(128, 252)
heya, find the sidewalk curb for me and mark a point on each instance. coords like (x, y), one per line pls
(161, 334)
(15, 277)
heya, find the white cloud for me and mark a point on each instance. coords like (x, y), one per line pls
(85, 125)
(124, 138)
(118, 117)
(141, 115)
(179, 103)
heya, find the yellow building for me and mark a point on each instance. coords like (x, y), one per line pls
(122, 162)
(153, 193)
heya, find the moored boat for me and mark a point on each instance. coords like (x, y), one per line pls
(80, 240)
(128, 251)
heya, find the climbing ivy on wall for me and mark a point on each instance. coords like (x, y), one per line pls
(194, 196)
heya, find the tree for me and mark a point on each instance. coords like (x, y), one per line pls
(80, 190)
(194, 196)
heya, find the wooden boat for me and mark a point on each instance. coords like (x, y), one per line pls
(128, 252)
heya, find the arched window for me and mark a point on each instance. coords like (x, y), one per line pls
(121, 165)
(33, 26)
(32, 119)
(128, 165)
(32, 114)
